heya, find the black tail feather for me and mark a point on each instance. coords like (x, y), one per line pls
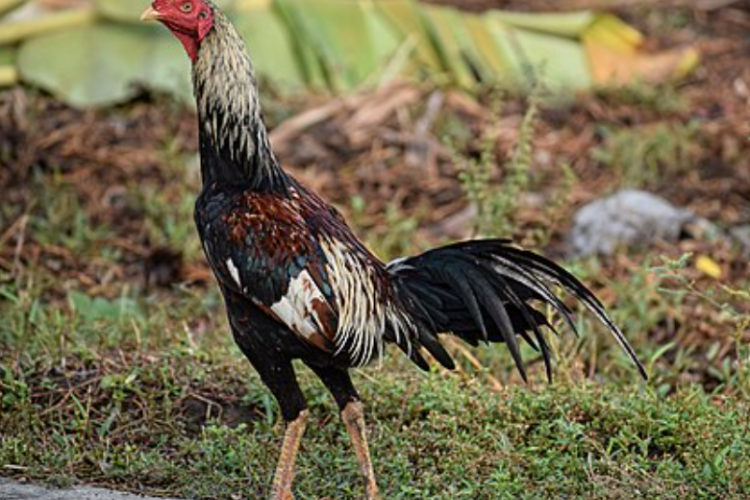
(480, 291)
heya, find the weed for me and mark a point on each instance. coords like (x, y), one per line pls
(495, 208)
(396, 239)
(433, 436)
(169, 219)
(555, 210)
(62, 221)
(661, 99)
(645, 156)
(729, 371)
(145, 390)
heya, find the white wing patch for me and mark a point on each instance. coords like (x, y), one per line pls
(363, 313)
(234, 272)
(295, 309)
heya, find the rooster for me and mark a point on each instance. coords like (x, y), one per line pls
(299, 285)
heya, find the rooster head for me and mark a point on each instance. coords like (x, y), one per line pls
(189, 20)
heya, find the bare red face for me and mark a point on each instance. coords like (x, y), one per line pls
(189, 20)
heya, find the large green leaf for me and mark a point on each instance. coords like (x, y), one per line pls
(7, 56)
(167, 67)
(331, 44)
(493, 64)
(409, 21)
(15, 31)
(270, 44)
(559, 62)
(105, 64)
(8, 72)
(568, 24)
(458, 51)
(387, 44)
(350, 47)
(310, 64)
(6, 5)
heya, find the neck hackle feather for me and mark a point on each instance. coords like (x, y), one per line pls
(234, 140)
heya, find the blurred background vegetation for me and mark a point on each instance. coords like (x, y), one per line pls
(448, 120)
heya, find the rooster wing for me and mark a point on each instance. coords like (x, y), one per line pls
(262, 247)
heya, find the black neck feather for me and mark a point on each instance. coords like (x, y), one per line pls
(234, 144)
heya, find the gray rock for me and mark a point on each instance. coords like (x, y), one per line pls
(13, 490)
(741, 234)
(627, 218)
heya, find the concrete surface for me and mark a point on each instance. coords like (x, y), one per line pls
(13, 490)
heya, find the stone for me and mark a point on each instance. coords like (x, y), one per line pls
(741, 235)
(626, 219)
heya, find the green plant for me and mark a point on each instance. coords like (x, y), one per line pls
(296, 44)
(496, 205)
(644, 156)
(60, 219)
(396, 238)
(554, 211)
(658, 98)
(733, 306)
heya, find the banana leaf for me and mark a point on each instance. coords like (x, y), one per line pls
(96, 55)
(15, 31)
(310, 64)
(79, 66)
(568, 24)
(166, 69)
(610, 32)
(7, 56)
(558, 62)
(8, 72)
(8, 75)
(493, 63)
(6, 5)
(612, 49)
(385, 41)
(408, 20)
(269, 44)
(315, 47)
(448, 25)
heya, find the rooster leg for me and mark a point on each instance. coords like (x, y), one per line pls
(282, 482)
(354, 419)
(340, 384)
(278, 375)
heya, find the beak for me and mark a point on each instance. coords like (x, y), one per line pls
(150, 14)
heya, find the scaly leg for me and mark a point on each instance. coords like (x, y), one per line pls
(282, 481)
(353, 416)
(277, 372)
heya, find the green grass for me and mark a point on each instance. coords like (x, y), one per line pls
(644, 156)
(146, 392)
(107, 382)
(134, 424)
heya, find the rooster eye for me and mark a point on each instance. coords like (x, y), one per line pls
(186, 7)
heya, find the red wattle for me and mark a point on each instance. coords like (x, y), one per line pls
(189, 42)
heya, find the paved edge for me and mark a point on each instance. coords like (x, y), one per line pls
(14, 490)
